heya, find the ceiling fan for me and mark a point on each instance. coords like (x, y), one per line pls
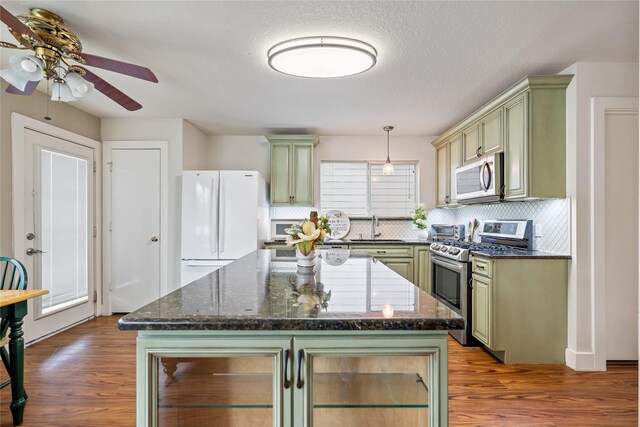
(53, 44)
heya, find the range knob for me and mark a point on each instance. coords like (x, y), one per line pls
(454, 251)
(444, 249)
(435, 247)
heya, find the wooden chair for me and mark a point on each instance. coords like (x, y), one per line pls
(14, 277)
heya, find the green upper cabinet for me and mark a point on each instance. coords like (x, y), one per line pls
(483, 136)
(471, 143)
(527, 123)
(292, 170)
(448, 158)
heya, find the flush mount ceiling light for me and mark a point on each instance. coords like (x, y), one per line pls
(322, 57)
(387, 168)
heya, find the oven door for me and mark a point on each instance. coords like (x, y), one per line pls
(451, 287)
(449, 283)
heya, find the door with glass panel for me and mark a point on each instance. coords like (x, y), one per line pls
(57, 245)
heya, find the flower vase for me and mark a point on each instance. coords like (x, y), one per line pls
(306, 261)
(422, 234)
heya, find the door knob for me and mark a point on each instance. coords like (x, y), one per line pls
(31, 251)
(154, 238)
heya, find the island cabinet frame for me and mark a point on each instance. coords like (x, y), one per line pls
(293, 390)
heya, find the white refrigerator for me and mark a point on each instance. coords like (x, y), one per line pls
(225, 215)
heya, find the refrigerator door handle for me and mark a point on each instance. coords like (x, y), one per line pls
(222, 218)
(214, 204)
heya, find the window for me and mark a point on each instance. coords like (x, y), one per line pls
(360, 189)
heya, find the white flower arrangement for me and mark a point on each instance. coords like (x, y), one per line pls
(307, 234)
(419, 216)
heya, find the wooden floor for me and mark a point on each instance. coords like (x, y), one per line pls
(86, 377)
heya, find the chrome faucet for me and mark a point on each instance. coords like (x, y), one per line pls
(374, 224)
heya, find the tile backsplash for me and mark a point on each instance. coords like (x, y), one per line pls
(550, 218)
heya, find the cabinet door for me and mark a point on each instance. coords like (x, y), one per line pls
(491, 132)
(482, 309)
(366, 382)
(442, 177)
(402, 266)
(422, 263)
(302, 176)
(216, 381)
(471, 143)
(280, 173)
(455, 160)
(516, 144)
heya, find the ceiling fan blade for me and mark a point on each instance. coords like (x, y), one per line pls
(117, 66)
(28, 90)
(111, 92)
(17, 26)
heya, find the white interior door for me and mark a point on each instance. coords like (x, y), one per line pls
(54, 228)
(621, 233)
(134, 205)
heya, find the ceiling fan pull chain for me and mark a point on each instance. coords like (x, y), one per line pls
(47, 101)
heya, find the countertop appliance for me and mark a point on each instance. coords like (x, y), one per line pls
(441, 232)
(225, 215)
(451, 266)
(480, 181)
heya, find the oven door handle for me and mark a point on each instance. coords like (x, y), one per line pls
(449, 265)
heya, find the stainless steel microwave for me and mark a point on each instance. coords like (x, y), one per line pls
(480, 181)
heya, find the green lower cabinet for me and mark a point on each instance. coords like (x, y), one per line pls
(481, 309)
(422, 268)
(294, 379)
(519, 308)
(402, 266)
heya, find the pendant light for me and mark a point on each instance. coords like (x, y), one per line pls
(387, 168)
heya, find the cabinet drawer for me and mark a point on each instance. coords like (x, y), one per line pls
(482, 266)
(386, 251)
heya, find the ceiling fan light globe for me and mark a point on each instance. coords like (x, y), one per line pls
(79, 87)
(29, 67)
(61, 92)
(14, 78)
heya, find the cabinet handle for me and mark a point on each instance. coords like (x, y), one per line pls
(285, 373)
(381, 252)
(293, 200)
(446, 199)
(300, 383)
(478, 152)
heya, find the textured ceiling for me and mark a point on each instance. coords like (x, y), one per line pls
(437, 61)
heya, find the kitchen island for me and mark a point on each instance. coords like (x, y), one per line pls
(261, 343)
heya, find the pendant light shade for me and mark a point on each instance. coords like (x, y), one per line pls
(322, 57)
(387, 168)
(61, 92)
(79, 86)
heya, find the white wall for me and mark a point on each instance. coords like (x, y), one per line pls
(194, 148)
(170, 130)
(240, 153)
(591, 80)
(64, 116)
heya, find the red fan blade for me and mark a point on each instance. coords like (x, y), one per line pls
(111, 91)
(17, 26)
(28, 90)
(117, 66)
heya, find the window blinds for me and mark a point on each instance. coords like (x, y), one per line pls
(360, 189)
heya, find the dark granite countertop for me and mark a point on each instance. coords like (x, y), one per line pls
(377, 242)
(518, 254)
(263, 292)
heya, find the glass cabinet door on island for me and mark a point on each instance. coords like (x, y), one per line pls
(310, 380)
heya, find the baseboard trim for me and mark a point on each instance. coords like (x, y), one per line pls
(580, 360)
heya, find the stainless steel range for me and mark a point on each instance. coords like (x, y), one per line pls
(451, 265)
